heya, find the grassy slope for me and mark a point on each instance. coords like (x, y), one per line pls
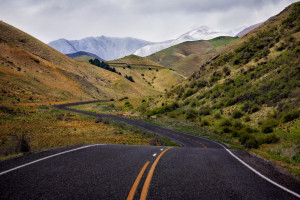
(134, 61)
(84, 58)
(187, 57)
(47, 75)
(147, 73)
(249, 95)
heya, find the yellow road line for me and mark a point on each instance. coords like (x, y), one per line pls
(150, 174)
(136, 182)
(203, 145)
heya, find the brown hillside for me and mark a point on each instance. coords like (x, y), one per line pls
(31, 71)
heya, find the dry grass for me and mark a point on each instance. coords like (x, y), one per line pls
(45, 127)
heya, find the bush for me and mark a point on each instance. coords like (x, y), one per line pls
(226, 129)
(204, 123)
(128, 105)
(238, 125)
(255, 108)
(290, 116)
(267, 129)
(98, 120)
(123, 98)
(191, 115)
(296, 158)
(268, 125)
(247, 118)
(237, 114)
(270, 139)
(205, 111)
(252, 143)
(217, 116)
(226, 122)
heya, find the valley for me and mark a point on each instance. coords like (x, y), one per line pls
(214, 112)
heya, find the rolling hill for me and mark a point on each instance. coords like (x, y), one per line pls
(187, 57)
(83, 53)
(146, 72)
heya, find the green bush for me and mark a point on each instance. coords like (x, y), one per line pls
(290, 116)
(226, 122)
(268, 125)
(296, 158)
(205, 111)
(217, 116)
(238, 125)
(204, 123)
(191, 115)
(267, 129)
(226, 129)
(270, 139)
(255, 108)
(252, 143)
(237, 114)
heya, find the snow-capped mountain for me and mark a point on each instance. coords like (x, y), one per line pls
(108, 48)
(201, 33)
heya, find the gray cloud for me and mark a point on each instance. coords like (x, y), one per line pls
(154, 20)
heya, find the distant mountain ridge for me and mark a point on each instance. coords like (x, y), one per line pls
(107, 48)
(248, 29)
(201, 33)
(82, 53)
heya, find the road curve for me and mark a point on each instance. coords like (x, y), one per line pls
(143, 172)
(183, 139)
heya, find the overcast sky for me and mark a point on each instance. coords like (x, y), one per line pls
(152, 20)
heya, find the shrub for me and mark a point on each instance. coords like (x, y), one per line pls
(204, 123)
(226, 129)
(205, 111)
(255, 108)
(270, 139)
(268, 125)
(226, 122)
(22, 143)
(217, 116)
(128, 105)
(290, 116)
(237, 114)
(230, 102)
(98, 120)
(247, 118)
(267, 129)
(252, 143)
(296, 158)
(123, 98)
(238, 125)
(191, 114)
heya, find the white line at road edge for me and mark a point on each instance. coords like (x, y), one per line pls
(256, 172)
(64, 152)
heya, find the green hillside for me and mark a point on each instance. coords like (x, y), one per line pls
(187, 57)
(84, 58)
(249, 94)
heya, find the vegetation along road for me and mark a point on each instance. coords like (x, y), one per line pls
(200, 169)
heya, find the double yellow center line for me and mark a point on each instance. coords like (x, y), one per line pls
(148, 179)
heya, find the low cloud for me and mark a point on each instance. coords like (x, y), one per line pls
(154, 20)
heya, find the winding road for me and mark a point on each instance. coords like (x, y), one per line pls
(200, 169)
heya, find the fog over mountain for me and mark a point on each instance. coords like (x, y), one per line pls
(108, 48)
(201, 33)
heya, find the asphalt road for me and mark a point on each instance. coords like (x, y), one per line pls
(202, 169)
